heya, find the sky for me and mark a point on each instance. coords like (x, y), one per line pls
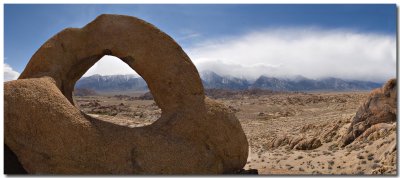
(354, 42)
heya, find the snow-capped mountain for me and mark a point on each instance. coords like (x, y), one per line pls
(304, 84)
(212, 80)
(112, 83)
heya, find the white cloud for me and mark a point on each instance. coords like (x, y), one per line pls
(109, 65)
(310, 52)
(186, 34)
(9, 73)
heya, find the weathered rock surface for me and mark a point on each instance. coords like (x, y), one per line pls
(298, 143)
(380, 107)
(50, 135)
(308, 144)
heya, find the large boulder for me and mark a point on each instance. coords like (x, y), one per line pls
(380, 107)
(49, 135)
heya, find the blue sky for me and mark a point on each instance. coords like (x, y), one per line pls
(198, 27)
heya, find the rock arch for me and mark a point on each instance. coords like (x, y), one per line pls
(194, 135)
(70, 53)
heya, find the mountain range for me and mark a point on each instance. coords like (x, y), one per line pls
(112, 83)
(212, 80)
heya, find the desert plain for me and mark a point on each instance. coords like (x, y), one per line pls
(288, 132)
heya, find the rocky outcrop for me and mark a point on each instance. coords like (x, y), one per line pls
(49, 135)
(308, 144)
(298, 143)
(377, 131)
(380, 107)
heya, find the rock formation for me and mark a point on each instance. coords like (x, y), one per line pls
(49, 135)
(298, 143)
(380, 107)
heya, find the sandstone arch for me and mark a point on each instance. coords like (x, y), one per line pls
(50, 135)
(133, 41)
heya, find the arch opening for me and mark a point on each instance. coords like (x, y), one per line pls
(112, 91)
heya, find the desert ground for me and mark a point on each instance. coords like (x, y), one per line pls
(288, 133)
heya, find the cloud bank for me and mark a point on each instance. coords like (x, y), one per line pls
(287, 52)
(310, 52)
(9, 73)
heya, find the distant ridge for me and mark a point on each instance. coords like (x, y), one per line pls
(328, 84)
(212, 80)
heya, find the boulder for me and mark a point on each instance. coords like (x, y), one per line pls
(49, 135)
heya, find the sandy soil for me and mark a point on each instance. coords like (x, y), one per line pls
(288, 133)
